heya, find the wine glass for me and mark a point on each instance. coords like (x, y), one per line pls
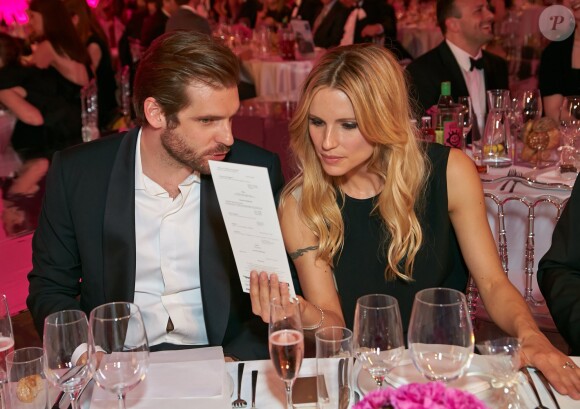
(118, 348)
(440, 334)
(530, 105)
(504, 360)
(6, 343)
(467, 115)
(286, 341)
(378, 334)
(570, 108)
(65, 346)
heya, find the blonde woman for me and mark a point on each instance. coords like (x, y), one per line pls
(371, 211)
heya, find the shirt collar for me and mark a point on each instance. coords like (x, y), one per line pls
(143, 182)
(462, 56)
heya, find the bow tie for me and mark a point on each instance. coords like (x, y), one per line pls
(475, 64)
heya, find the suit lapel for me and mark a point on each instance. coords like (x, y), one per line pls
(119, 224)
(458, 86)
(215, 261)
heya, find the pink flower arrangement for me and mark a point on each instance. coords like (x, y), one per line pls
(432, 395)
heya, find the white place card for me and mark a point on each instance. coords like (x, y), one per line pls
(247, 205)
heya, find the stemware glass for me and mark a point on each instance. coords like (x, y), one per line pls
(530, 105)
(440, 334)
(570, 108)
(26, 387)
(118, 348)
(467, 115)
(504, 360)
(378, 335)
(64, 341)
(286, 341)
(6, 343)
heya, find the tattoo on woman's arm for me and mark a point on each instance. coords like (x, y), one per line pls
(300, 252)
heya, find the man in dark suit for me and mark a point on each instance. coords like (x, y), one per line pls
(559, 273)
(185, 18)
(328, 26)
(467, 27)
(135, 217)
(154, 25)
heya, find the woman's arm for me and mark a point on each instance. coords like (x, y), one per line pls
(44, 55)
(316, 277)
(552, 105)
(502, 300)
(14, 100)
(95, 54)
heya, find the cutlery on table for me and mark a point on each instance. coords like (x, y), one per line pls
(526, 372)
(240, 403)
(511, 172)
(548, 387)
(254, 381)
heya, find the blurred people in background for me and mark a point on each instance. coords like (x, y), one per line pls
(274, 13)
(92, 35)
(328, 25)
(154, 25)
(559, 73)
(460, 59)
(186, 18)
(248, 12)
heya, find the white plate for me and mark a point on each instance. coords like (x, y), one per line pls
(473, 381)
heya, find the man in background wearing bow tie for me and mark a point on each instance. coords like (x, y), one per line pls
(460, 59)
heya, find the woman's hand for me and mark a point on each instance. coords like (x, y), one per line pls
(537, 351)
(262, 290)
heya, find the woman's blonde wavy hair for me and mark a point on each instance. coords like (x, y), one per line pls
(376, 85)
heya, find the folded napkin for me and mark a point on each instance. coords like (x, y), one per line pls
(178, 379)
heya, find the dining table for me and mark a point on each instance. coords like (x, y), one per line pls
(270, 392)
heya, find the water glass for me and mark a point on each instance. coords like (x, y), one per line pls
(118, 348)
(64, 342)
(286, 42)
(334, 361)
(6, 334)
(569, 148)
(378, 335)
(440, 334)
(286, 341)
(26, 387)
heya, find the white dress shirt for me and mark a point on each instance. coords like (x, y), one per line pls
(475, 81)
(167, 282)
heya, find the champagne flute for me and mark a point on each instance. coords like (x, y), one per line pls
(64, 342)
(378, 334)
(6, 343)
(440, 334)
(118, 348)
(467, 116)
(286, 341)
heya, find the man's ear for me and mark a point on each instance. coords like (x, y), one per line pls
(452, 24)
(153, 113)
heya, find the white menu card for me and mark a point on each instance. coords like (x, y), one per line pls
(247, 204)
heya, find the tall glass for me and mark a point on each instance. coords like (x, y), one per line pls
(378, 334)
(440, 334)
(65, 345)
(26, 386)
(286, 341)
(334, 361)
(6, 343)
(118, 348)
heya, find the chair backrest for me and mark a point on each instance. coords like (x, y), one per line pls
(514, 219)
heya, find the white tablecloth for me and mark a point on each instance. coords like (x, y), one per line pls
(277, 79)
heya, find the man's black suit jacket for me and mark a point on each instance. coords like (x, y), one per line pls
(438, 65)
(331, 29)
(84, 247)
(559, 273)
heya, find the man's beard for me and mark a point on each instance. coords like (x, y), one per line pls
(176, 147)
